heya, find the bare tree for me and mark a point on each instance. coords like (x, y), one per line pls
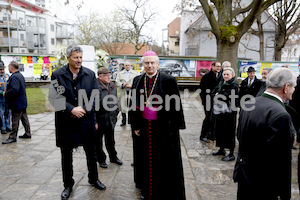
(136, 17)
(88, 28)
(102, 32)
(258, 33)
(286, 13)
(229, 21)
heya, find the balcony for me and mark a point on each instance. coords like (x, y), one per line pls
(33, 45)
(13, 24)
(64, 35)
(4, 42)
(36, 30)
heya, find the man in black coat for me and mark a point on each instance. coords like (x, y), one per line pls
(208, 82)
(265, 134)
(107, 118)
(250, 85)
(156, 118)
(15, 97)
(75, 120)
(295, 106)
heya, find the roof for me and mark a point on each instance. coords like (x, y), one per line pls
(30, 5)
(174, 27)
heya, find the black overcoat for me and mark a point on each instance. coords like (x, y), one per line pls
(225, 123)
(208, 82)
(15, 95)
(252, 90)
(166, 165)
(72, 131)
(265, 137)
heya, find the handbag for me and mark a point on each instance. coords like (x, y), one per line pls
(220, 107)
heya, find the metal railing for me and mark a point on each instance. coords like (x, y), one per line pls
(5, 41)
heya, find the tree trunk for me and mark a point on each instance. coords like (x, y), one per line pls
(228, 51)
(279, 40)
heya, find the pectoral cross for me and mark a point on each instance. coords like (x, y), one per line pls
(147, 103)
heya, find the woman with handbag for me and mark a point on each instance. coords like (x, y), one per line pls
(225, 111)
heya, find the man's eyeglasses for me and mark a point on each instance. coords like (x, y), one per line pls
(107, 75)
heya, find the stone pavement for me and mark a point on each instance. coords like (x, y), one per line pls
(30, 169)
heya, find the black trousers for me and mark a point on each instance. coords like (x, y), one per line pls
(109, 138)
(16, 117)
(206, 131)
(67, 164)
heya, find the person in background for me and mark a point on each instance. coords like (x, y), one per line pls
(16, 99)
(157, 164)
(265, 134)
(264, 75)
(75, 124)
(106, 119)
(124, 82)
(225, 116)
(208, 82)
(5, 113)
(250, 85)
(226, 64)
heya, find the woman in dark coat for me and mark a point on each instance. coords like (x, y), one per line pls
(225, 112)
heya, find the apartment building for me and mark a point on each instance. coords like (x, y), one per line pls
(28, 28)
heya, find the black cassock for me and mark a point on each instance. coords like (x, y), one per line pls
(157, 155)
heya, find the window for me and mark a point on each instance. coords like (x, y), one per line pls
(52, 41)
(22, 37)
(176, 43)
(28, 23)
(52, 27)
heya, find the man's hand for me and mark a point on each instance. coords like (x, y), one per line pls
(96, 126)
(137, 132)
(78, 112)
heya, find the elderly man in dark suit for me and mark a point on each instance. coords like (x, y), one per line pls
(106, 118)
(15, 97)
(250, 85)
(265, 134)
(75, 123)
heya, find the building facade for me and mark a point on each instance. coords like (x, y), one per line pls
(196, 38)
(174, 36)
(27, 28)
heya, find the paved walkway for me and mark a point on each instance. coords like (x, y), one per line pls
(30, 169)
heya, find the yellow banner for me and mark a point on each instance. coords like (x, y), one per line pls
(37, 69)
(265, 65)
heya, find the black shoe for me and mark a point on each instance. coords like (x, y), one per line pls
(98, 185)
(220, 152)
(9, 140)
(123, 124)
(8, 130)
(66, 193)
(25, 136)
(103, 165)
(205, 140)
(117, 161)
(228, 158)
(3, 131)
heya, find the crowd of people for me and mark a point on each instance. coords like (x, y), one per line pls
(150, 102)
(266, 127)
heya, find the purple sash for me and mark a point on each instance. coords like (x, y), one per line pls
(150, 113)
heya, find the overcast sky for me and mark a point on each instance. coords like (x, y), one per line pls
(163, 8)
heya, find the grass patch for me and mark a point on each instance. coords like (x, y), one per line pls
(36, 101)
